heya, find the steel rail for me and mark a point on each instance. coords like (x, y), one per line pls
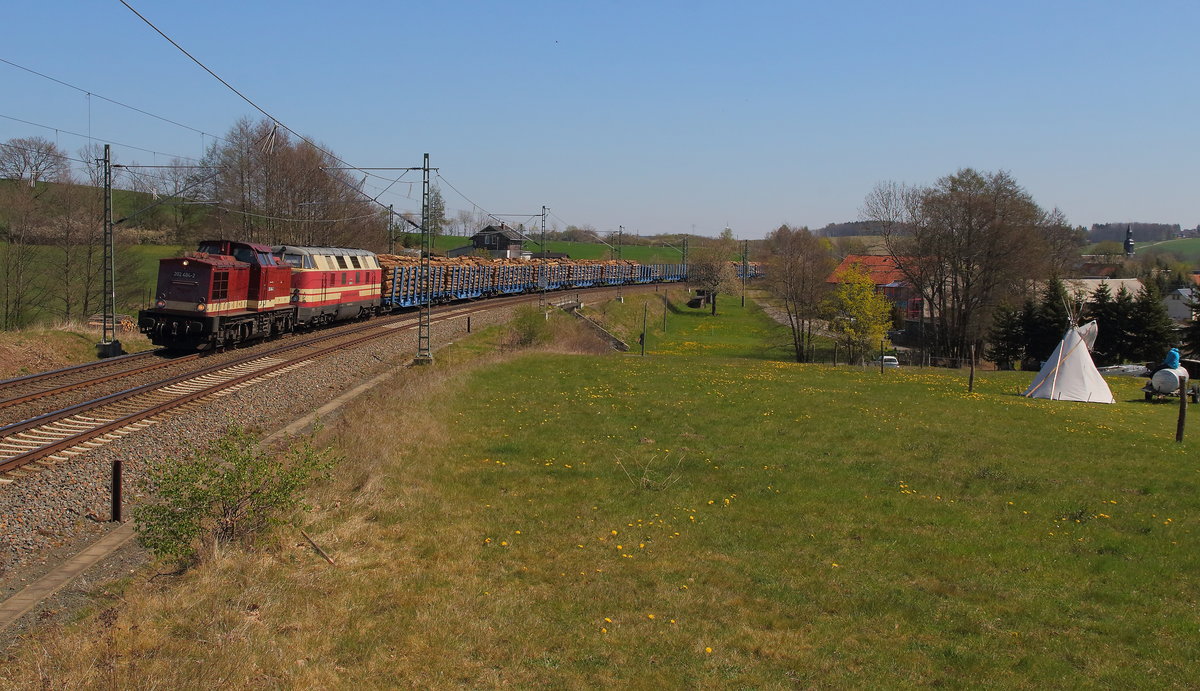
(97, 364)
(35, 395)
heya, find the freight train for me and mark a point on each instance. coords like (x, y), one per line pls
(229, 292)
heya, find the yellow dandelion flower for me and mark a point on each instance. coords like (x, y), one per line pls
(649, 616)
(708, 651)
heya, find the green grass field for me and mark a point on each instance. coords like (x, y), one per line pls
(709, 516)
(1184, 249)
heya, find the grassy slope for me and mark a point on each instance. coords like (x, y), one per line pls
(1184, 249)
(27, 351)
(704, 517)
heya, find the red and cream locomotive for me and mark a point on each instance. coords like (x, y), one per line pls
(231, 292)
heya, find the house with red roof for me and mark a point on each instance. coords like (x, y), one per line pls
(888, 278)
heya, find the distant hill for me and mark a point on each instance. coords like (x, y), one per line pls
(857, 228)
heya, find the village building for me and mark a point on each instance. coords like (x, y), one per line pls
(499, 242)
(889, 280)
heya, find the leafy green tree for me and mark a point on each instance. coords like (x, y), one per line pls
(227, 491)
(1151, 325)
(1049, 321)
(1189, 335)
(1006, 338)
(859, 314)
(1103, 309)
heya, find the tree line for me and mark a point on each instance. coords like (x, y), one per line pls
(1133, 327)
(257, 183)
(985, 261)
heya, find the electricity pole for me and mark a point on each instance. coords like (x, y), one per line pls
(685, 258)
(620, 231)
(544, 268)
(391, 229)
(745, 268)
(109, 345)
(424, 274)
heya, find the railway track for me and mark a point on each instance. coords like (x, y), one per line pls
(31, 387)
(55, 437)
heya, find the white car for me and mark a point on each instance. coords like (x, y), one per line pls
(888, 361)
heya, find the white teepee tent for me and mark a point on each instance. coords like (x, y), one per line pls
(1070, 374)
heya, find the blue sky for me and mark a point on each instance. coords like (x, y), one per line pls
(659, 116)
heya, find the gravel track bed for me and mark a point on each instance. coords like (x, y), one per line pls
(57, 509)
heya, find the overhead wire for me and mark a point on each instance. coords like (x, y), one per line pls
(296, 220)
(90, 94)
(101, 139)
(247, 99)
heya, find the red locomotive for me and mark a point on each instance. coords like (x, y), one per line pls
(230, 292)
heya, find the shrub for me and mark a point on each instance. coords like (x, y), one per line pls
(530, 326)
(228, 491)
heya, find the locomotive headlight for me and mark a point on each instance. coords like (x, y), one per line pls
(160, 304)
(184, 262)
(201, 307)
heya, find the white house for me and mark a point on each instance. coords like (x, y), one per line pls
(1178, 303)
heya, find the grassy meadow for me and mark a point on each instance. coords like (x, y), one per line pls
(708, 516)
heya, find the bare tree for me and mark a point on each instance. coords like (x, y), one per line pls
(21, 222)
(277, 189)
(710, 267)
(798, 263)
(968, 243)
(33, 159)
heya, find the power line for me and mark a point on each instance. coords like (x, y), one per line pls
(102, 139)
(296, 220)
(110, 100)
(245, 98)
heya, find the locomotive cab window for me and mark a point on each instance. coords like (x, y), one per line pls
(220, 289)
(296, 260)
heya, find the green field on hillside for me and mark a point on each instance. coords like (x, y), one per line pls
(1183, 249)
(708, 516)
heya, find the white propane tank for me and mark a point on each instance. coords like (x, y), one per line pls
(1168, 380)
